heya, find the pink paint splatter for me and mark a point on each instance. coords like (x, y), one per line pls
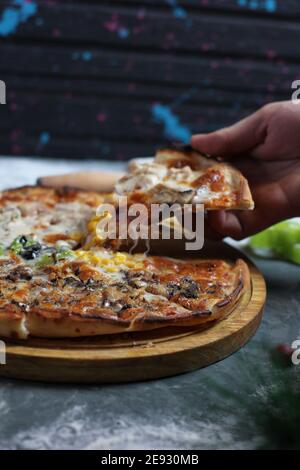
(271, 54)
(131, 87)
(56, 33)
(141, 14)
(111, 26)
(101, 117)
(205, 46)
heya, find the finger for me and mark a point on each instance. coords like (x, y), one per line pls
(227, 224)
(92, 181)
(211, 234)
(272, 206)
(239, 138)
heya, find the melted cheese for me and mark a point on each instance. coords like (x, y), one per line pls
(34, 219)
(111, 262)
(146, 177)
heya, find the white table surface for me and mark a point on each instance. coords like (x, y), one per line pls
(18, 171)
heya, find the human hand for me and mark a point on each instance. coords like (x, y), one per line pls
(266, 148)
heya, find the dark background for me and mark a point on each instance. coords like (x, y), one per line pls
(115, 79)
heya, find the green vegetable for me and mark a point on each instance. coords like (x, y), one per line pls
(281, 240)
(16, 245)
(2, 250)
(44, 260)
(30, 242)
(64, 254)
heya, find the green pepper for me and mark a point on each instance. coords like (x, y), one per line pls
(64, 254)
(30, 242)
(2, 250)
(17, 245)
(45, 260)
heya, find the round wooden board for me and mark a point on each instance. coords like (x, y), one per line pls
(141, 356)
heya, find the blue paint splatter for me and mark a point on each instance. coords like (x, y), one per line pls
(268, 5)
(87, 55)
(271, 5)
(44, 138)
(123, 33)
(12, 17)
(173, 129)
(178, 11)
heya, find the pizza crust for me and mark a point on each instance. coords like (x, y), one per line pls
(13, 326)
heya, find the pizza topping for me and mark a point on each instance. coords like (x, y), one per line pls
(47, 270)
(185, 176)
(145, 177)
(73, 281)
(45, 260)
(189, 288)
(212, 178)
(21, 272)
(2, 250)
(44, 216)
(26, 248)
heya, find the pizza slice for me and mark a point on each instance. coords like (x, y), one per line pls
(185, 176)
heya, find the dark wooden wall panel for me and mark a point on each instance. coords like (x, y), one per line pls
(115, 79)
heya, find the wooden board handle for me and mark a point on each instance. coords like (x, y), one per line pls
(91, 180)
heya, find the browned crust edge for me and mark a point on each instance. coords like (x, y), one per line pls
(63, 190)
(245, 200)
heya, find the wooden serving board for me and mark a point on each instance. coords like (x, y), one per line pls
(141, 356)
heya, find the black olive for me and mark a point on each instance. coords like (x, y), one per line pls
(211, 290)
(172, 289)
(72, 281)
(23, 240)
(20, 272)
(189, 288)
(93, 284)
(31, 251)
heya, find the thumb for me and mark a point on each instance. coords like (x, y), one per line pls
(236, 139)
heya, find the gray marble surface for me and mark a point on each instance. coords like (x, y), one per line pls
(228, 405)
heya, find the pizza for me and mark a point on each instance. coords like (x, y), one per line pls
(55, 284)
(184, 176)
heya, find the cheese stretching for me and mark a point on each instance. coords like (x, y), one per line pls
(185, 176)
